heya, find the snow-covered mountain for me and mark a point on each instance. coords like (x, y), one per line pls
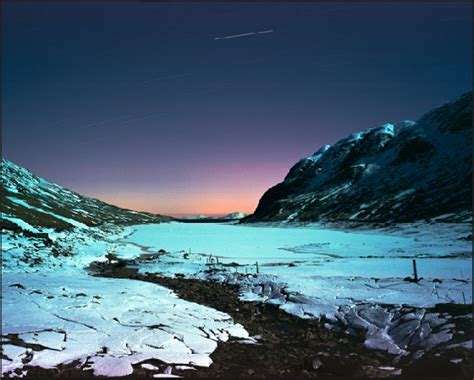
(235, 215)
(198, 217)
(29, 202)
(396, 172)
(205, 218)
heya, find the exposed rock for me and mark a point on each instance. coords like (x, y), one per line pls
(312, 363)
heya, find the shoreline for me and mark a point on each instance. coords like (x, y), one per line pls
(287, 346)
(292, 347)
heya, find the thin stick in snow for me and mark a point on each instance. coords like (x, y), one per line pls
(415, 273)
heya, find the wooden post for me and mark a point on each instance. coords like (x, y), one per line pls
(256, 266)
(415, 273)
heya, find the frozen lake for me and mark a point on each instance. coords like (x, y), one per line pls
(316, 250)
(329, 265)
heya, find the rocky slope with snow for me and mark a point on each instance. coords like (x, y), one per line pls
(396, 173)
(28, 202)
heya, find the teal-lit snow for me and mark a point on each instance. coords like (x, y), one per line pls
(334, 267)
(19, 222)
(106, 325)
(356, 278)
(321, 270)
(74, 317)
(72, 222)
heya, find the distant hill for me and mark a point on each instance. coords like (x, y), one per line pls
(213, 219)
(235, 215)
(396, 172)
(29, 201)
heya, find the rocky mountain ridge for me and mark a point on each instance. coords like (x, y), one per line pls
(394, 173)
(29, 202)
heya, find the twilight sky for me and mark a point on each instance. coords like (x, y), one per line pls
(147, 106)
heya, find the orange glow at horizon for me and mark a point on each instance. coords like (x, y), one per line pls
(187, 200)
(169, 204)
(220, 190)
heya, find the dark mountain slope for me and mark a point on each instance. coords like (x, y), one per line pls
(26, 198)
(397, 172)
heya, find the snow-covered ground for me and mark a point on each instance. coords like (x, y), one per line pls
(53, 312)
(106, 324)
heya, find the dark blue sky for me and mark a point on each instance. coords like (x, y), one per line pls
(138, 103)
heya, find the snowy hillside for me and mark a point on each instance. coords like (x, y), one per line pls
(396, 172)
(28, 201)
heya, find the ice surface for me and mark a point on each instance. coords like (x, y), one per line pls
(110, 366)
(108, 323)
(331, 267)
(466, 344)
(150, 367)
(350, 277)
